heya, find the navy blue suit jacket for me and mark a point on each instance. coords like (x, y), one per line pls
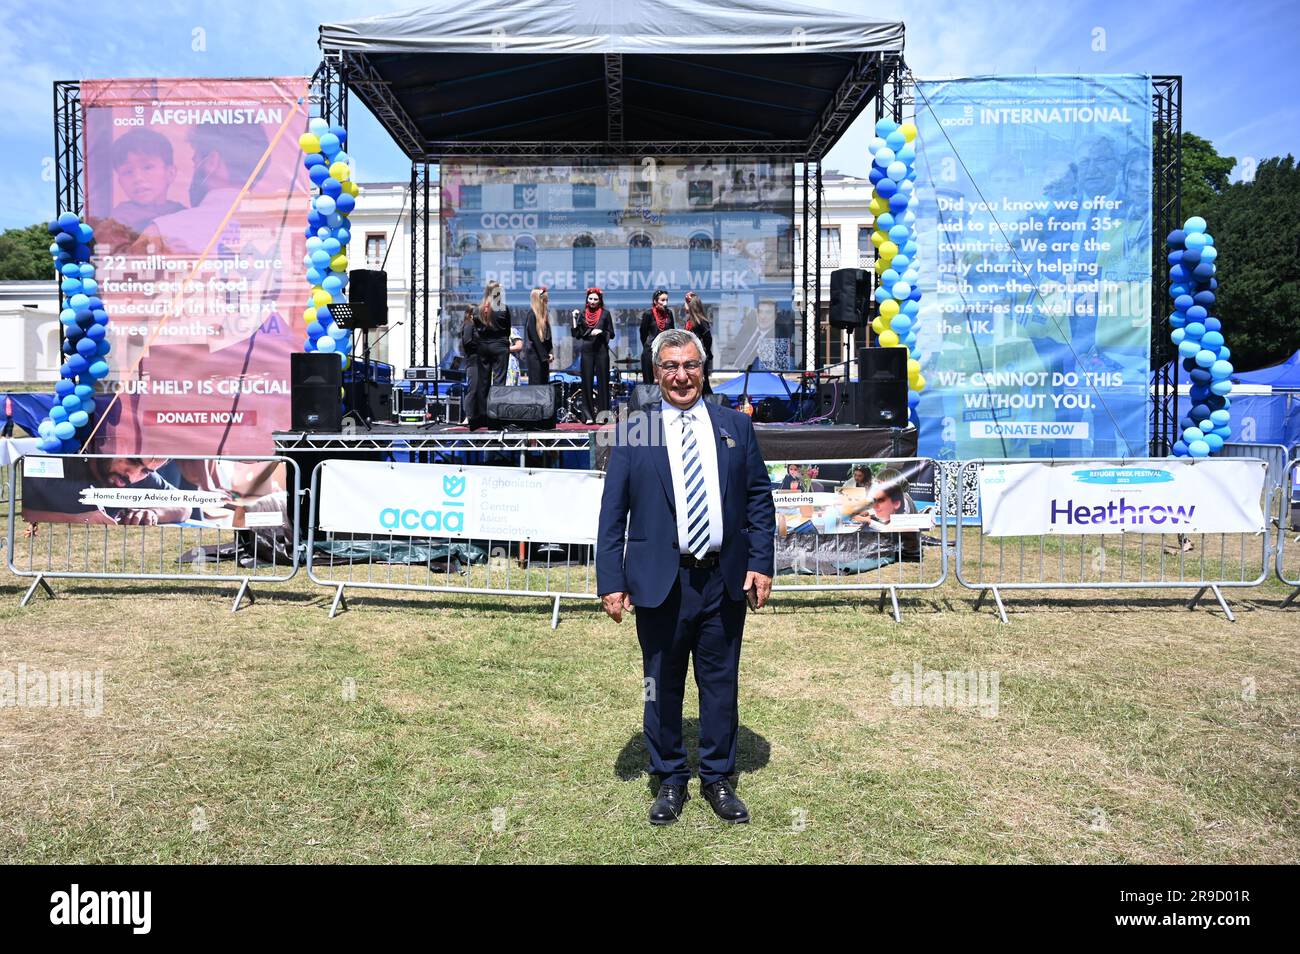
(639, 496)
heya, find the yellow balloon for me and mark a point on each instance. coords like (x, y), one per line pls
(878, 206)
(913, 368)
(309, 316)
(877, 238)
(908, 130)
(920, 385)
(880, 266)
(888, 339)
(340, 171)
(309, 143)
(321, 297)
(351, 189)
(339, 263)
(888, 250)
(888, 309)
(877, 325)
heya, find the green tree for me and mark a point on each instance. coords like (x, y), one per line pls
(1256, 228)
(1205, 174)
(25, 254)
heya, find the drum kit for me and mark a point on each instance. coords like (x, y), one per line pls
(568, 395)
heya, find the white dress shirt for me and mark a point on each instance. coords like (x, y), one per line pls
(706, 444)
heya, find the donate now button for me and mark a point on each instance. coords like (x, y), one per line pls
(202, 418)
(1033, 430)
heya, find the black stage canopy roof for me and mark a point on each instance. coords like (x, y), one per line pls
(614, 77)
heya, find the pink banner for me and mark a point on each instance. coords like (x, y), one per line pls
(197, 197)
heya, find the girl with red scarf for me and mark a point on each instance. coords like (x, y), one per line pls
(593, 330)
(658, 319)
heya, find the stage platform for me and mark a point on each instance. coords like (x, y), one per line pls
(779, 442)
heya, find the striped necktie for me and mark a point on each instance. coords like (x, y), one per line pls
(697, 504)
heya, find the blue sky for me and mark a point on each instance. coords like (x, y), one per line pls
(1239, 63)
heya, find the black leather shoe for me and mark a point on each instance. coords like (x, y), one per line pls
(726, 803)
(668, 804)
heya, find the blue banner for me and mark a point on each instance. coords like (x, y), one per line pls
(1035, 209)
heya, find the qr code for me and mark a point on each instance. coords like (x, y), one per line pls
(960, 500)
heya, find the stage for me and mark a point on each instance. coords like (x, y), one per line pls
(779, 442)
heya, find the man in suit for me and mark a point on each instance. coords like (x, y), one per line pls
(686, 536)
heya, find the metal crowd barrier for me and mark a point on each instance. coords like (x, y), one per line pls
(1273, 455)
(1288, 573)
(1115, 561)
(866, 560)
(94, 551)
(489, 567)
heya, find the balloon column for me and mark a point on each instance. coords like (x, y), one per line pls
(893, 174)
(85, 339)
(328, 234)
(1199, 338)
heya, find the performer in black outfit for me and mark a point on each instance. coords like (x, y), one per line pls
(491, 356)
(697, 321)
(538, 350)
(658, 318)
(593, 330)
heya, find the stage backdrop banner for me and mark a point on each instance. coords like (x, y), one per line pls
(1034, 223)
(466, 503)
(197, 196)
(723, 228)
(1082, 497)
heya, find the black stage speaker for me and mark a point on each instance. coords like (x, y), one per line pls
(644, 397)
(529, 407)
(315, 380)
(848, 298)
(368, 294)
(882, 387)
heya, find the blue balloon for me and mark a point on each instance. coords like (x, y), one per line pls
(884, 221)
(898, 203)
(1196, 313)
(98, 370)
(333, 188)
(1220, 417)
(1195, 330)
(340, 133)
(63, 387)
(874, 175)
(1212, 340)
(315, 329)
(1215, 442)
(1198, 449)
(1206, 358)
(64, 430)
(1176, 238)
(1177, 335)
(1180, 449)
(1194, 224)
(1204, 270)
(68, 221)
(886, 188)
(1221, 370)
(77, 364)
(86, 347)
(1222, 387)
(346, 204)
(325, 343)
(1195, 240)
(1188, 349)
(79, 419)
(58, 413)
(330, 145)
(1192, 434)
(332, 283)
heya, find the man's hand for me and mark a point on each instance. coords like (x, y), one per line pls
(615, 604)
(140, 518)
(760, 585)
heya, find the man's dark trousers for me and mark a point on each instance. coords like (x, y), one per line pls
(699, 619)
